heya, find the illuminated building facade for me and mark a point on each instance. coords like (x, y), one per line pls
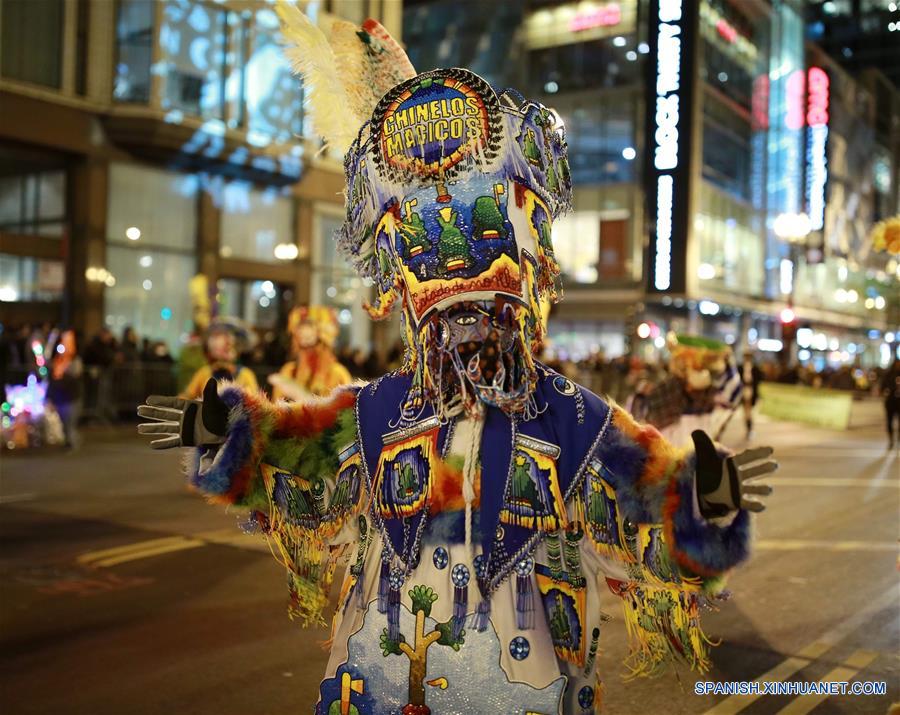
(144, 142)
(695, 127)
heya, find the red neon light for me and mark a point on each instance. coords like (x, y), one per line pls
(759, 103)
(817, 102)
(605, 16)
(795, 116)
(728, 33)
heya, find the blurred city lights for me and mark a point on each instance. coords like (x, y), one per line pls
(643, 331)
(8, 294)
(706, 271)
(146, 261)
(787, 315)
(286, 251)
(148, 284)
(660, 342)
(769, 345)
(629, 153)
(133, 233)
(619, 41)
(166, 313)
(551, 87)
(791, 227)
(708, 307)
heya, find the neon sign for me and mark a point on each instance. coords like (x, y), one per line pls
(605, 16)
(816, 145)
(666, 135)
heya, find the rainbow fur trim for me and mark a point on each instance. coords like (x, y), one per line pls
(259, 429)
(700, 547)
(654, 482)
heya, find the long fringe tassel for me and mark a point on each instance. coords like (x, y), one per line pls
(663, 625)
(524, 602)
(383, 586)
(393, 604)
(482, 615)
(460, 606)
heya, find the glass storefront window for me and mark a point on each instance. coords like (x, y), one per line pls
(605, 63)
(31, 41)
(273, 95)
(30, 279)
(257, 302)
(149, 206)
(335, 284)
(600, 132)
(731, 54)
(254, 221)
(731, 249)
(726, 148)
(150, 293)
(193, 41)
(134, 51)
(33, 203)
(576, 244)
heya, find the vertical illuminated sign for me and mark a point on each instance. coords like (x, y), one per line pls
(816, 145)
(670, 88)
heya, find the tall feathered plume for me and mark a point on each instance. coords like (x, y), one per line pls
(345, 75)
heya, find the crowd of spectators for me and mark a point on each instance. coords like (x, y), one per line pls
(119, 371)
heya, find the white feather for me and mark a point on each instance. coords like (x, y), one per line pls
(312, 57)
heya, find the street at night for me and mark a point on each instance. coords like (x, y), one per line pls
(124, 593)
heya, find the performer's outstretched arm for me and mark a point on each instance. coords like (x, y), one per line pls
(701, 497)
(236, 430)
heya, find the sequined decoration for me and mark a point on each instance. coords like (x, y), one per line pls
(519, 648)
(586, 697)
(441, 558)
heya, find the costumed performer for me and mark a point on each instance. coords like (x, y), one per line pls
(226, 339)
(484, 501)
(315, 370)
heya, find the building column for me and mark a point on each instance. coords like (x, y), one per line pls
(304, 225)
(209, 218)
(83, 307)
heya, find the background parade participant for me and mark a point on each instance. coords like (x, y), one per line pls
(315, 370)
(485, 501)
(701, 390)
(226, 339)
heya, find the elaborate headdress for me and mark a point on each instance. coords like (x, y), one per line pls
(451, 188)
(322, 317)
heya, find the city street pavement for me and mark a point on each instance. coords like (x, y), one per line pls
(122, 592)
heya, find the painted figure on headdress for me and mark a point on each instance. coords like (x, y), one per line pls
(314, 369)
(226, 339)
(483, 500)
